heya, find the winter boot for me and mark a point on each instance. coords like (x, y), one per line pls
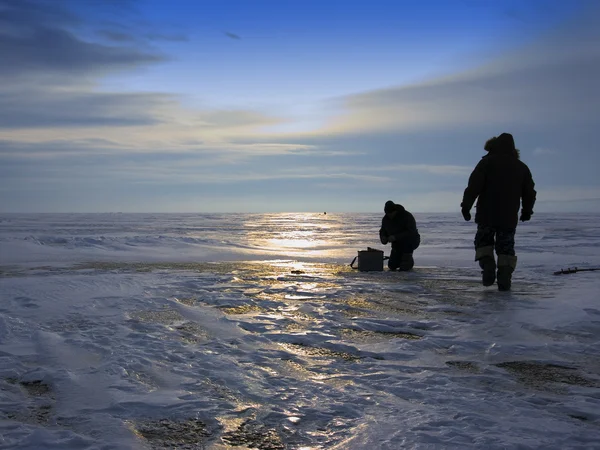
(506, 266)
(406, 262)
(485, 256)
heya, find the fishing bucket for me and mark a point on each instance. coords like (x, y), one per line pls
(369, 260)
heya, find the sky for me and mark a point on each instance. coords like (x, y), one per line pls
(280, 105)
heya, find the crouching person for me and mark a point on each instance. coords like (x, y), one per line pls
(399, 228)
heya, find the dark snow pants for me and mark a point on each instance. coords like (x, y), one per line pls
(401, 256)
(503, 240)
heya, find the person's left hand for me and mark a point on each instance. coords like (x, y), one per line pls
(466, 214)
(391, 238)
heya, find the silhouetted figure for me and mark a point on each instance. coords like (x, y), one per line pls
(499, 182)
(398, 227)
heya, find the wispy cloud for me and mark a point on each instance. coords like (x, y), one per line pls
(219, 152)
(430, 169)
(542, 151)
(554, 81)
(194, 171)
(37, 41)
(52, 108)
(117, 35)
(49, 80)
(568, 194)
(187, 171)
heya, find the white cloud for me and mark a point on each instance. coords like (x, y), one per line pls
(431, 169)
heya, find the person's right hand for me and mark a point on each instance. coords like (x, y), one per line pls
(525, 216)
(466, 214)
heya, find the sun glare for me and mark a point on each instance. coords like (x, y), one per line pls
(296, 235)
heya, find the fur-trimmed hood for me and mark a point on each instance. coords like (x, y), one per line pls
(504, 143)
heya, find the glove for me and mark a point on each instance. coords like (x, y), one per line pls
(391, 238)
(525, 216)
(466, 214)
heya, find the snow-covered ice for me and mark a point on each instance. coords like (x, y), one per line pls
(214, 331)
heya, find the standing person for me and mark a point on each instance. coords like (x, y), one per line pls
(499, 182)
(398, 227)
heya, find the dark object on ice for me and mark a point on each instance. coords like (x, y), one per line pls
(165, 433)
(399, 227)
(501, 183)
(575, 270)
(253, 434)
(542, 375)
(369, 260)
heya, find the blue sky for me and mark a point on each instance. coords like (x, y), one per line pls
(260, 106)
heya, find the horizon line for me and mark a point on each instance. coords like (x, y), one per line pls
(269, 212)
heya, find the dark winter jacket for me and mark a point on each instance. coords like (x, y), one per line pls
(403, 227)
(499, 182)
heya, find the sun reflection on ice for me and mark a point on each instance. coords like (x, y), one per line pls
(296, 235)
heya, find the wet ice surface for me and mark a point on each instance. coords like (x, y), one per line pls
(213, 332)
